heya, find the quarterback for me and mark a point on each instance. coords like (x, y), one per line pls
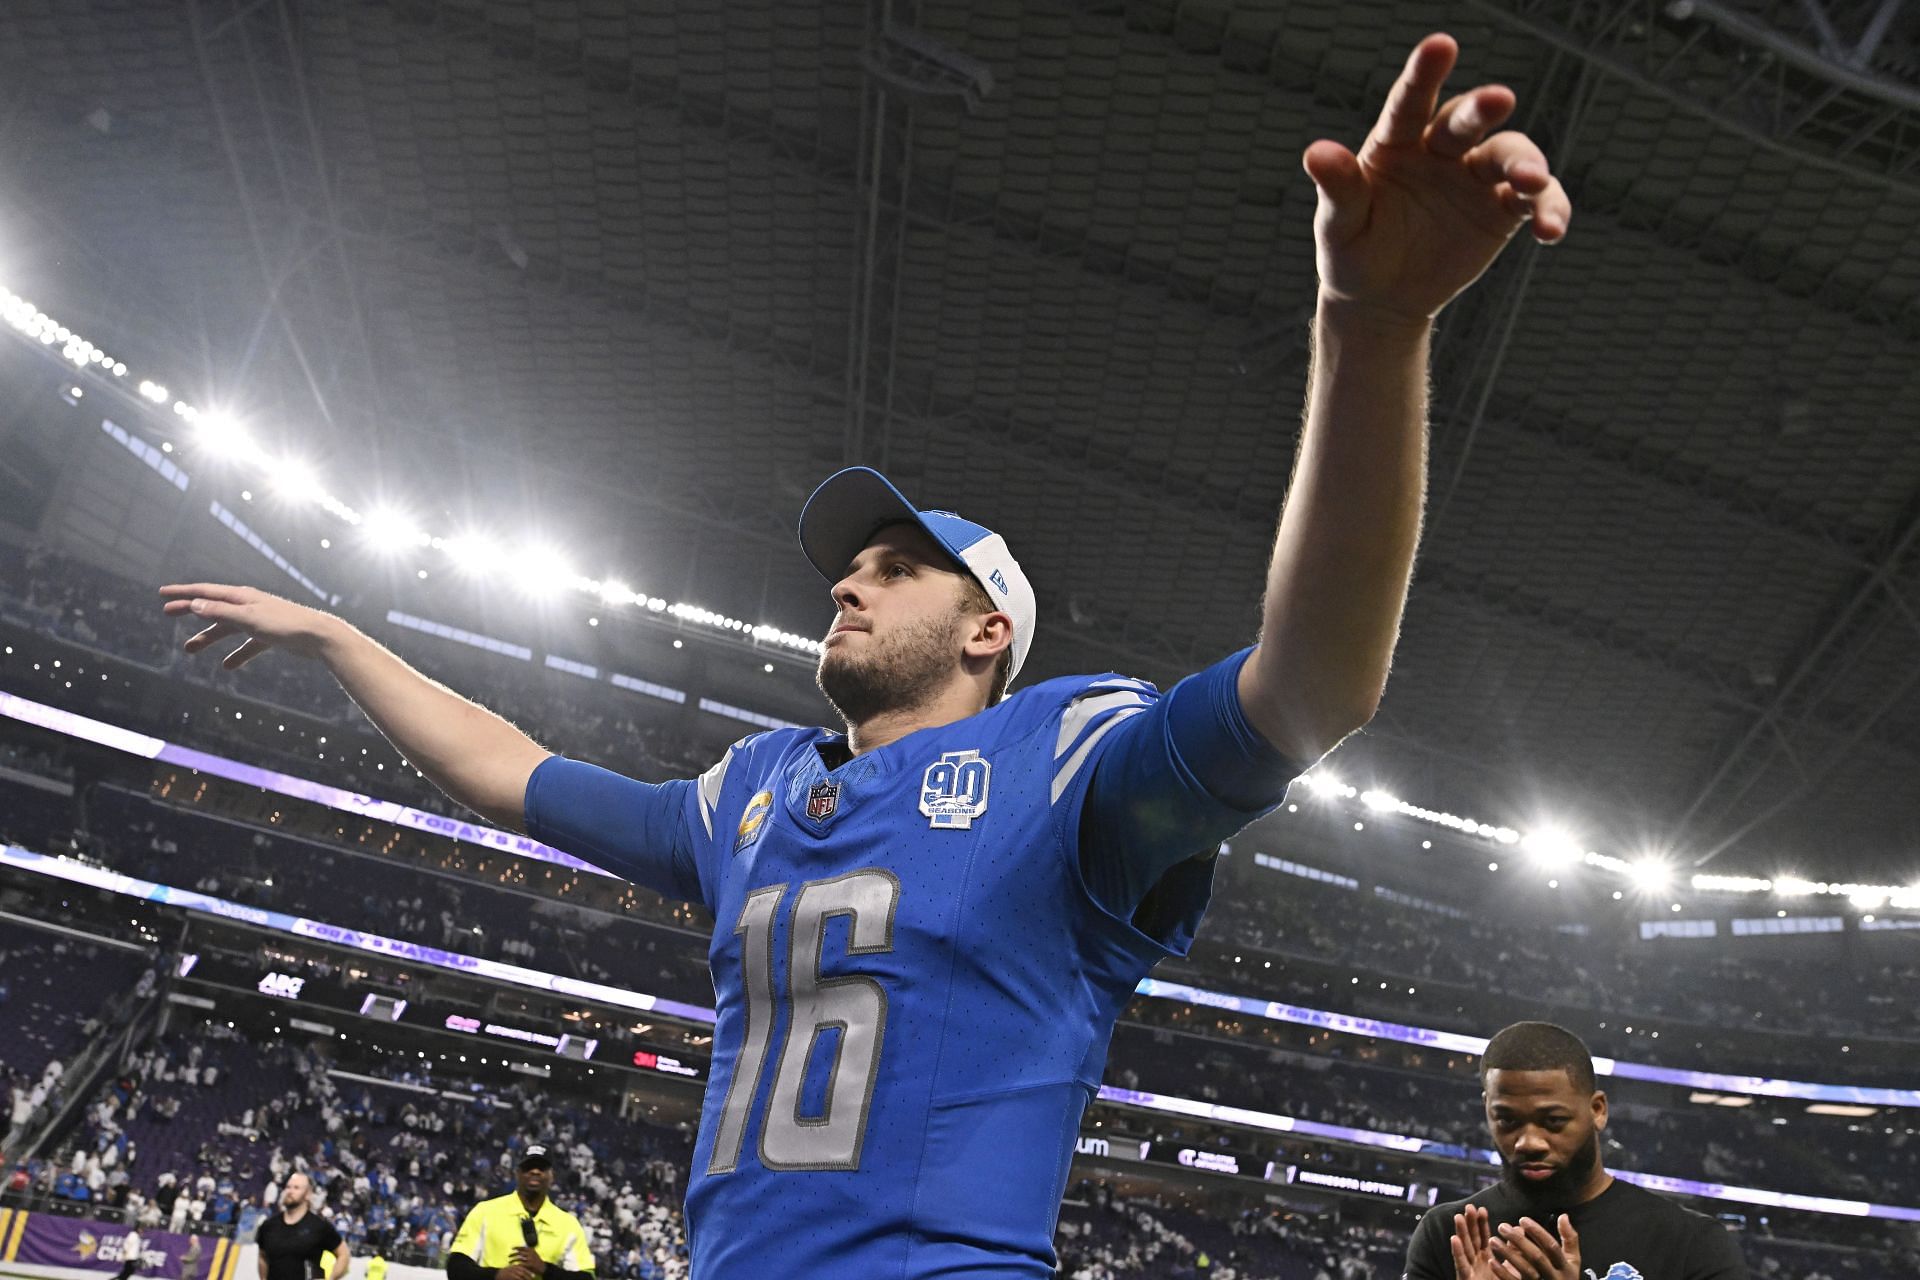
(928, 918)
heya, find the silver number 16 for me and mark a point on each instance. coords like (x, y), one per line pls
(855, 1005)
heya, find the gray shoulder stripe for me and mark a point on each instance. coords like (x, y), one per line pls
(1086, 709)
(1079, 757)
(710, 783)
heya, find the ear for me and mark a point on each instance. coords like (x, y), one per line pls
(1599, 1109)
(989, 634)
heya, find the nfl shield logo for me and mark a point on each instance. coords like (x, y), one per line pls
(822, 799)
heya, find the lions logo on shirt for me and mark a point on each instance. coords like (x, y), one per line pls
(954, 791)
(1618, 1271)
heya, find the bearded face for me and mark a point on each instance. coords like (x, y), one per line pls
(1561, 1188)
(1547, 1130)
(882, 666)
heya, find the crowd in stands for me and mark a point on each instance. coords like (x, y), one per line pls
(1741, 1146)
(1108, 1236)
(205, 1127)
(1295, 917)
(206, 1123)
(263, 867)
(1169, 1047)
(267, 869)
(53, 990)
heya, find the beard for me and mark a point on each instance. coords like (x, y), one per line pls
(1559, 1189)
(899, 672)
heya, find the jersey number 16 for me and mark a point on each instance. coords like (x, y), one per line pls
(854, 1005)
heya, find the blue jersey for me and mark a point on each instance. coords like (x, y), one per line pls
(916, 974)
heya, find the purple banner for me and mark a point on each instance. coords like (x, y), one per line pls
(49, 1240)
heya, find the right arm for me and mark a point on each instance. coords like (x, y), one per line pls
(470, 753)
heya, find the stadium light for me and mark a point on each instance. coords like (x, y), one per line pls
(222, 434)
(615, 592)
(1793, 886)
(474, 554)
(390, 529)
(539, 570)
(1731, 884)
(295, 480)
(1551, 846)
(1650, 875)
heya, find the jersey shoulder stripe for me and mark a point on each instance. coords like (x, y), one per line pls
(749, 754)
(709, 786)
(1082, 711)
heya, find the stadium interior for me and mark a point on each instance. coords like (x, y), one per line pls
(517, 334)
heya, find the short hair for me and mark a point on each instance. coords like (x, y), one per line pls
(1539, 1046)
(974, 599)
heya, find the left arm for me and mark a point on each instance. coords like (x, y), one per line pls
(1402, 227)
(341, 1256)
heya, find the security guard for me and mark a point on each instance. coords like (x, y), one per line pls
(522, 1235)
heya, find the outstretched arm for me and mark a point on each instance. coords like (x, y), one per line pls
(1402, 227)
(467, 751)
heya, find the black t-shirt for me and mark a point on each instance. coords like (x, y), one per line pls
(1626, 1233)
(293, 1250)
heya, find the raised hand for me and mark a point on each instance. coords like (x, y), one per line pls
(267, 621)
(1432, 196)
(1472, 1246)
(1526, 1250)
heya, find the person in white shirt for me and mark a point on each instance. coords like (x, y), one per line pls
(132, 1247)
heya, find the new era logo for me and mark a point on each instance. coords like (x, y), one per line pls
(999, 580)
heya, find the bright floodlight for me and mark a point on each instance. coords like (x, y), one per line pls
(1650, 874)
(472, 553)
(225, 435)
(1792, 886)
(295, 480)
(390, 529)
(1552, 846)
(540, 570)
(616, 592)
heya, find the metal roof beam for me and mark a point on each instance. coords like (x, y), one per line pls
(1755, 83)
(1805, 696)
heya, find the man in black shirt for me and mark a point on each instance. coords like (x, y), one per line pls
(1556, 1213)
(292, 1240)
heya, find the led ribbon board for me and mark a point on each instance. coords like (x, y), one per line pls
(358, 940)
(139, 744)
(1422, 1146)
(1454, 1042)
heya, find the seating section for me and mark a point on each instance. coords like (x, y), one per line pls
(53, 992)
(208, 1121)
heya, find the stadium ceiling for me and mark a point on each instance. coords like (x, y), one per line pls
(641, 275)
